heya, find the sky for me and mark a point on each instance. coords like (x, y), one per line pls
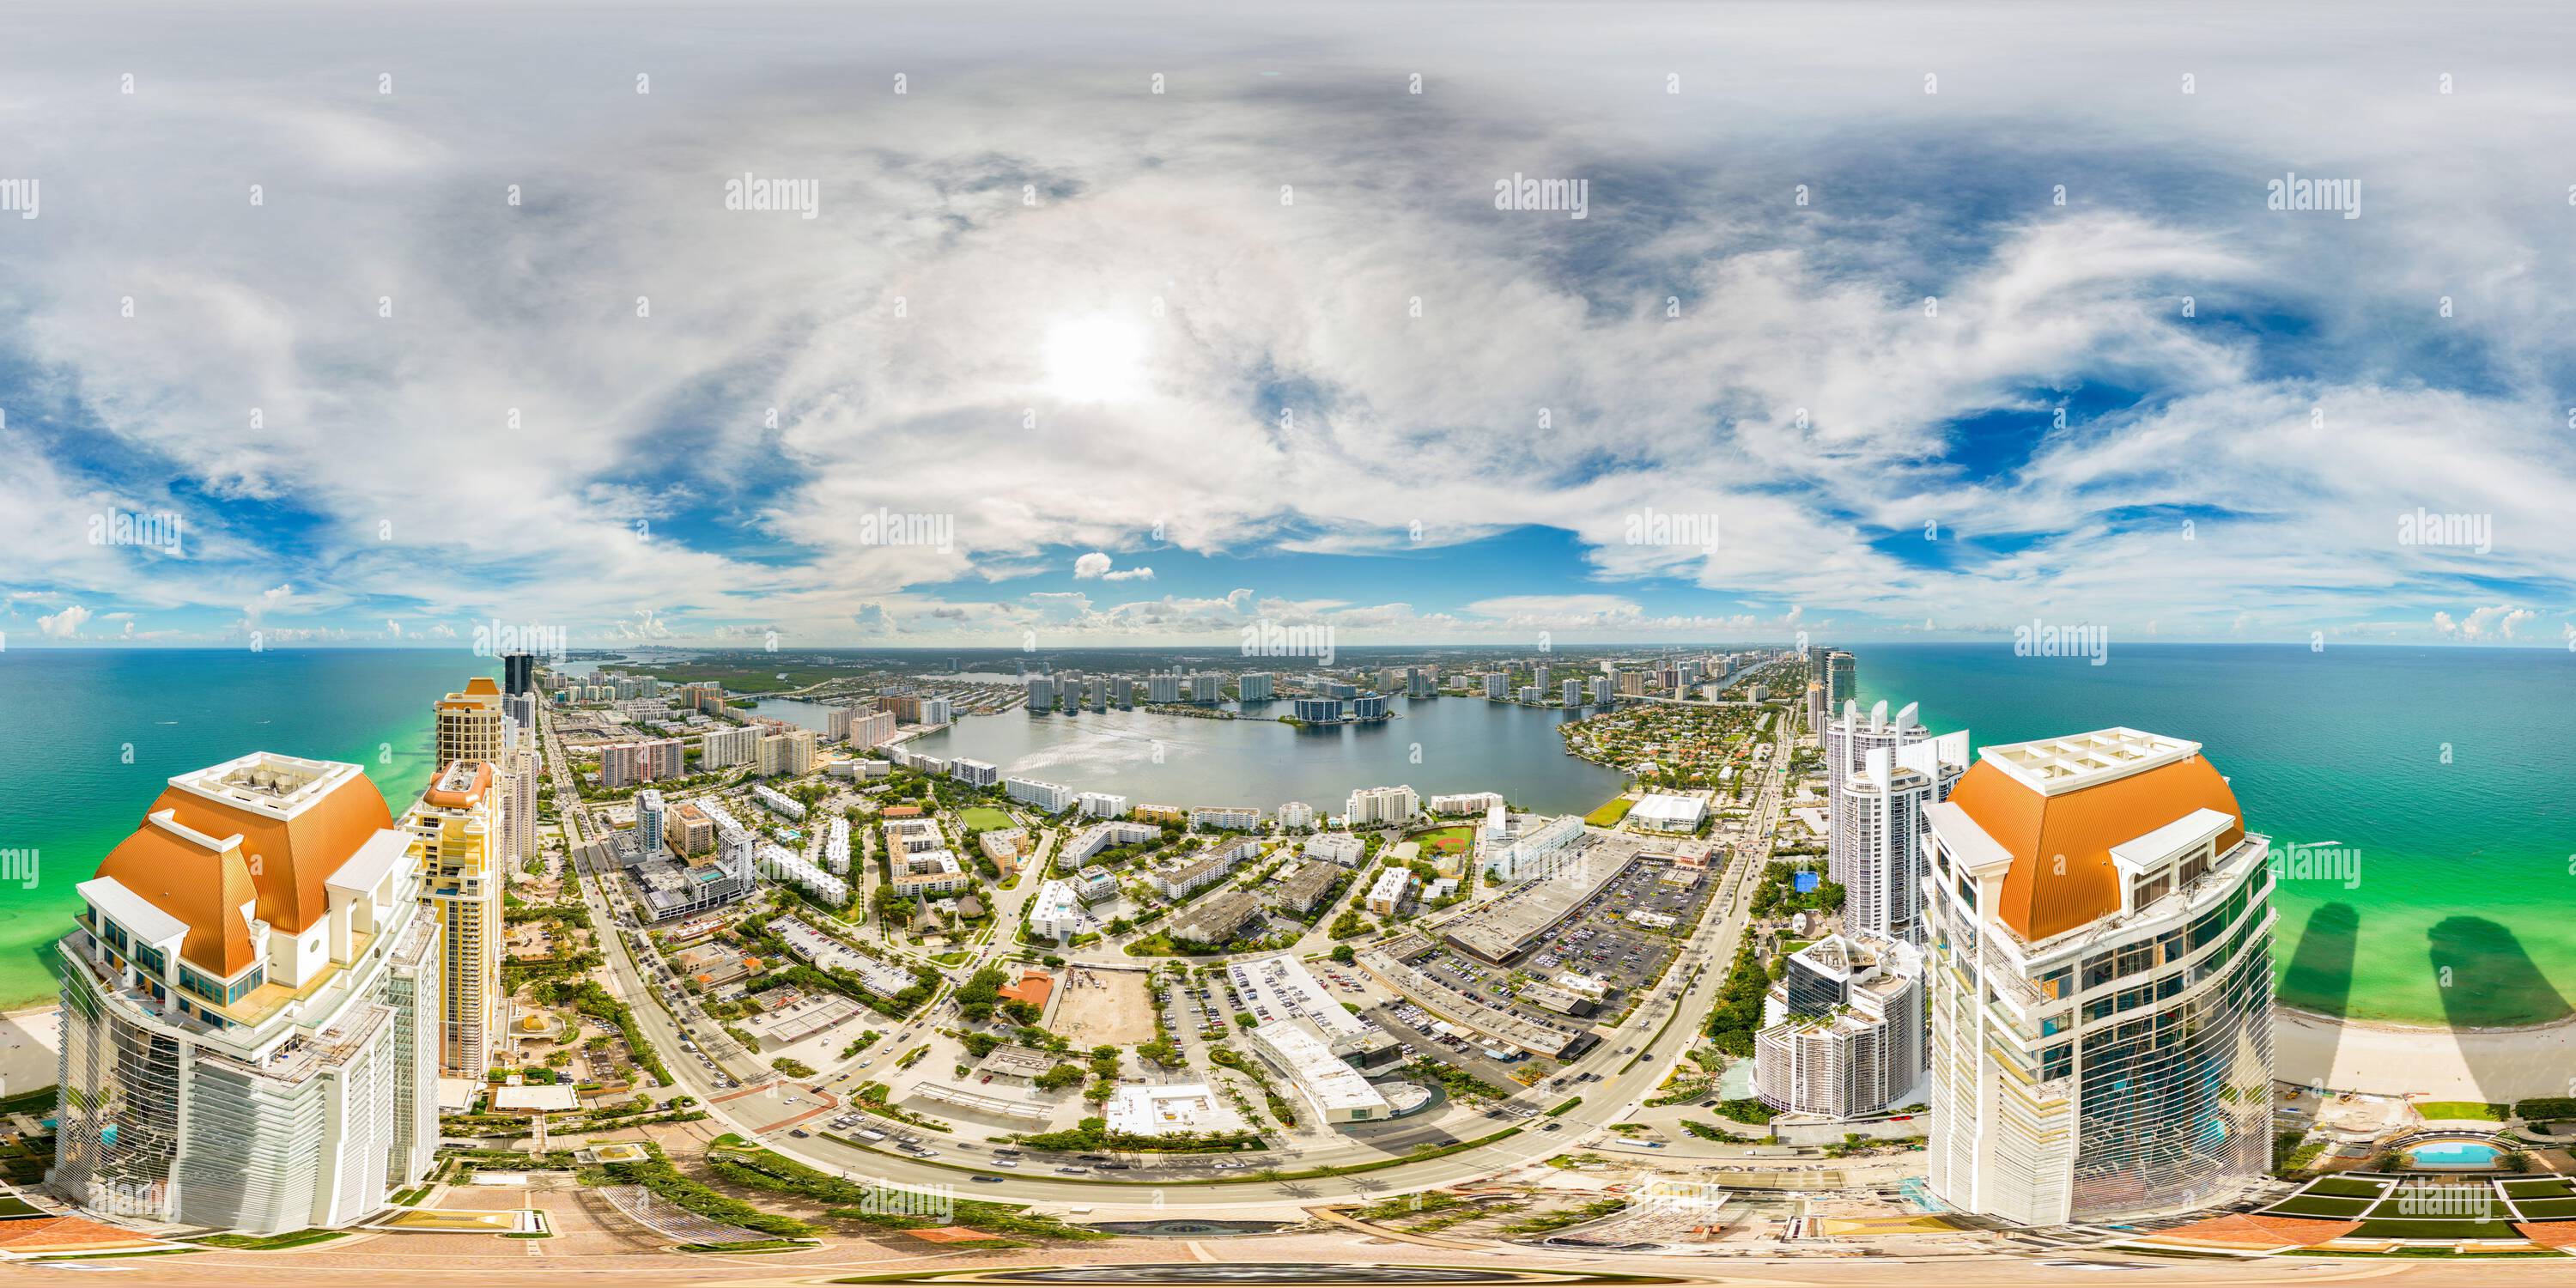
(1063, 326)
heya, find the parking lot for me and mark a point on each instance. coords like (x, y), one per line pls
(1604, 939)
(1417, 1030)
(1600, 938)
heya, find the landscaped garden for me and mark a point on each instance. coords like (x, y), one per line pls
(2424, 1208)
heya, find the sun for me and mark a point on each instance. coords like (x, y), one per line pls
(1095, 359)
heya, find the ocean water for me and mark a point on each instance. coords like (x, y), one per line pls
(2438, 775)
(2434, 779)
(88, 738)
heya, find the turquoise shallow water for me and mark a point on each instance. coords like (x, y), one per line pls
(2444, 769)
(88, 737)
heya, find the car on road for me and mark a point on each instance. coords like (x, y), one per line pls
(988, 1180)
(1552, 1127)
(798, 1132)
(1071, 1171)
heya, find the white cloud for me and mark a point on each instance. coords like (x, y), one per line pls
(2498, 621)
(65, 624)
(1798, 391)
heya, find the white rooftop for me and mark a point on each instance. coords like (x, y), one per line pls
(2053, 765)
(141, 919)
(375, 859)
(2145, 852)
(1170, 1110)
(1324, 1077)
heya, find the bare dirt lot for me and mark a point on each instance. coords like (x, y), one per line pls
(1103, 1008)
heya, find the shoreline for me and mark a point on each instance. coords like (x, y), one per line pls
(2490, 1065)
(30, 1056)
(2306, 1015)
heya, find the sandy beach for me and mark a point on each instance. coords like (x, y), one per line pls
(29, 1042)
(2497, 1065)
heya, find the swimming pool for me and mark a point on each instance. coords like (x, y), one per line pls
(2453, 1153)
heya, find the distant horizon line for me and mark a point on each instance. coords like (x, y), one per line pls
(115, 646)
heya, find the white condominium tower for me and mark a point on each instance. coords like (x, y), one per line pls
(1879, 774)
(1843, 1029)
(249, 1008)
(454, 843)
(2101, 983)
(1380, 805)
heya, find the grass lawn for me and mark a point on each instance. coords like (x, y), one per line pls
(2456, 1109)
(1610, 814)
(2335, 1185)
(1445, 840)
(267, 1243)
(983, 818)
(2429, 1228)
(2547, 1209)
(2326, 1209)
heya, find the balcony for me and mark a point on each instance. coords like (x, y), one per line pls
(85, 953)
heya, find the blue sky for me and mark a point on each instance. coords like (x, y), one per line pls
(409, 332)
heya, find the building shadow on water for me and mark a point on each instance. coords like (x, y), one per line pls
(2486, 980)
(2319, 978)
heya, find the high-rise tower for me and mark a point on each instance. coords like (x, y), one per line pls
(456, 841)
(249, 1003)
(2101, 983)
(1879, 774)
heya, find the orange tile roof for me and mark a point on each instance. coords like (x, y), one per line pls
(1034, 988)
(460, 798)
(279, 866)
(948, 1234)
(2239, 1229)
(483, 684)
(65, 1232)
(2062, 876)
(2548, 1234)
